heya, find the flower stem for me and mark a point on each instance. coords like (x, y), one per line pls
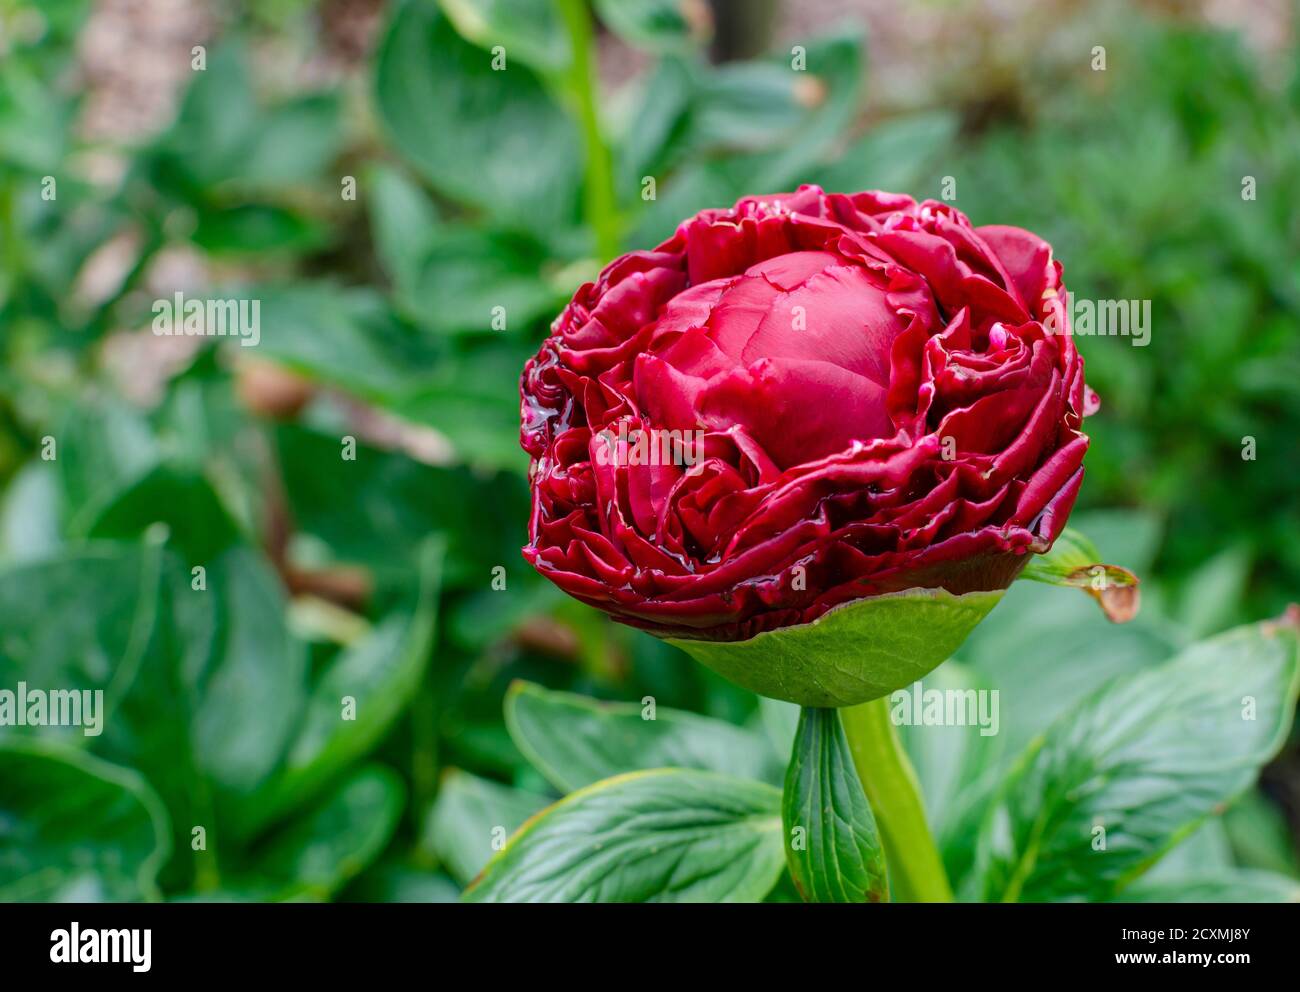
(915, 869)
(582, 83)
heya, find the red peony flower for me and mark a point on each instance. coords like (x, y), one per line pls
(801, 401)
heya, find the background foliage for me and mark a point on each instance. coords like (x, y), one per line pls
(374, 577)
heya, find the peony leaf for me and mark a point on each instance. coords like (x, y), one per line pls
(667, 835)
(575, 741)
(245, 711)
(469, 128)
(463, 272)
(893, 154)
(832, 846)
(380, 673)
(1222, 885)
(952, 760)
(658, 25)
(96, 646)
(229, 676)
(1259, 836)
(1075, 561)
(75, 828)
(468, 817)
(534, 32)
(856, 652)
(1121, 778)
(1046, 652)
(199, 525)
(313, 856)
(402, 221)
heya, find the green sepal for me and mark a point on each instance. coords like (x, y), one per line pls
(852, 654)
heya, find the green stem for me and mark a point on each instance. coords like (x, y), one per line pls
(12, 252)
(583, 83)
(424, 750)
(915, 869)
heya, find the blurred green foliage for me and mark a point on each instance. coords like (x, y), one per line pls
(394, 578)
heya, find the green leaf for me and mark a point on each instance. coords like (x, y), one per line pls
(199, 527)
(402, 221)
(1226, 885)
(29, 513)
(951, 761)
(35, 121)
(314, 856)
(250, 689)
(575, 741)
(1045, 652)
(1115, 783)
(784, 891)
(780, 722)
(747, 126)
(1204, 850)
(217, 118)
(470, 819)
(465, 273)
(527, 29)
(462, 398)
(102, 447)
(697, 186)
(1212, 595)
(747, 106)
(221, 135)
(859, 651)
(396, 882)
(74, 828)
(294, 142)
(470, 129)
(380, 674)
(832, 846)
(227, 674)
(651, 129)
(1259, 835)
(893, 155)
(201, 685)
(391, 497)
(832, 89)
(78, 622)
(257, 228)
(348, 338)
(658, 25)
(668, 835)
(206, 429)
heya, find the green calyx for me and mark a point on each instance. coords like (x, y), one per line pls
(854, 653)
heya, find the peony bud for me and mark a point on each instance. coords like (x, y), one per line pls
(810, 438)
